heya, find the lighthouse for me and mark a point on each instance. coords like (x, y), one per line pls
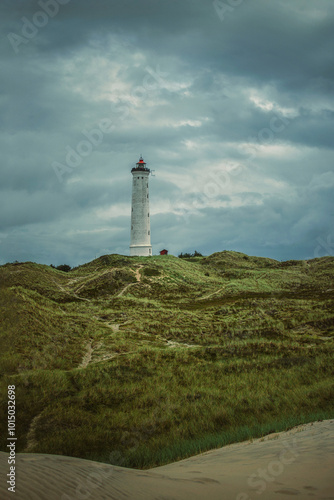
(140, 243)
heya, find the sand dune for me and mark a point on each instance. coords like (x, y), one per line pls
(298, 463)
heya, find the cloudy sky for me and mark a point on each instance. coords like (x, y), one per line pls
(231, 103)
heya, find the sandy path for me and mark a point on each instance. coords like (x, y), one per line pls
(172, 343)
(212, 293)
(298, 463)
(122, 292)
(31, 441)
(137, 274)
(87, 357)
(72, 294)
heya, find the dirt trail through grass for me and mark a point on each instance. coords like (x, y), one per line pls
(172, 343)
(72, 294)
(213, 293)
(138, 278)
(124, 290)
(87, 357)
(138, 273)
(31, 435)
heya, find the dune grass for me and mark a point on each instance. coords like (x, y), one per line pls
(199, 353)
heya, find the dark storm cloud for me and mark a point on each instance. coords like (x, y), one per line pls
(234, 111)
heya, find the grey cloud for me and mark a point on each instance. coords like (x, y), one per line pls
(223, 84)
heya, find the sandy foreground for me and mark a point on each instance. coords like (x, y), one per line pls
(298, 463)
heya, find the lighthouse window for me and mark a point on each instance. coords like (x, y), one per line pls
(147, 196)
(148, 232)
(131, 227)
(148, 215)
(142, 177)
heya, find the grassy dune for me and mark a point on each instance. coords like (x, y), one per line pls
(141, 361)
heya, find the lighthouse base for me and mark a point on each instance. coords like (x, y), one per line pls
(140, 250)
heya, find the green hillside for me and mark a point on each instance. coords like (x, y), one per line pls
(139, 361)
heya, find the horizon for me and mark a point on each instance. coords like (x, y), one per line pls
(75, 266)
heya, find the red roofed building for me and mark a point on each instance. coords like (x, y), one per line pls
(164, 252)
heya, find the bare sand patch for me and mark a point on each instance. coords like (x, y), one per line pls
(297, 463)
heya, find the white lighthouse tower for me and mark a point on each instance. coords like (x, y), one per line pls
(140, 244)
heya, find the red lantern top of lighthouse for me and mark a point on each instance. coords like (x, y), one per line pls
(141, 162)
(140, 165)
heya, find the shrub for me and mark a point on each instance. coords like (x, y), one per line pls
(188, 255)
(64, 267)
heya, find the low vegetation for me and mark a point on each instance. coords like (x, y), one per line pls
(187, 255)
(140, 361)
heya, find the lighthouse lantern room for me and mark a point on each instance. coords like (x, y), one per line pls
(140, 244)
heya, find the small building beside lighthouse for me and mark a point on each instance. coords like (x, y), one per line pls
(140, 244)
